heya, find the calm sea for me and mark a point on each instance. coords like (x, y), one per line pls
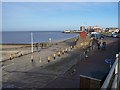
(24, 37)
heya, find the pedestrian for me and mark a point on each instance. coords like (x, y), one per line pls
(98, 44)
(103, 45)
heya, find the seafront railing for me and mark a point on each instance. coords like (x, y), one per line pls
(112, 73)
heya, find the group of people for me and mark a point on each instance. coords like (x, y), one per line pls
(101, 45)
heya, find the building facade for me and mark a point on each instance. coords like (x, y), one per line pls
(82, 28)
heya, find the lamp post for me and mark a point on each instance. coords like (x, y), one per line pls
(32, 46)
(50, 40)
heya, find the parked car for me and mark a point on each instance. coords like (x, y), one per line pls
(96, 35)
(116, 35)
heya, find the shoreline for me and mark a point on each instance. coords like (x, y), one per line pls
(55, 41)
(14, 45)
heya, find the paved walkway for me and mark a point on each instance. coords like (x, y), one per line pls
(94, 67)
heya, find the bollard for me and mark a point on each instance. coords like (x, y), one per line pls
(73, 71)
(66, 50)
(62, 51)
(31, 58)
(81, 44)
(88, 50)
(10, 57)
(69, 49)
(75, 46)
(85, 43)
(54, 56)
(40, 59)
(48, 59)
(72, 46)
(21, 54)
(59, 54)
(14, 55)
(86, 56)
(80, 57)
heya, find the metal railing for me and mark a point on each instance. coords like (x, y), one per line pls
(110, 75)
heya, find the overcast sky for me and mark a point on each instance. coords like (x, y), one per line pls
(58, 15)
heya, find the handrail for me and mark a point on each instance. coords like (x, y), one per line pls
(109, 76)
(114, 84)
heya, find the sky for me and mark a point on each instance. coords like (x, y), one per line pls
(60, 0)
(57, 16)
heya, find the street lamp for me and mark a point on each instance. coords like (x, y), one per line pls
(32, 46)
(50, 40)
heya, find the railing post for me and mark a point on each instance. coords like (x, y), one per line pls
(116, 68)
(115, 83)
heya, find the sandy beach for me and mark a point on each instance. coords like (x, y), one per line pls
(8, 51)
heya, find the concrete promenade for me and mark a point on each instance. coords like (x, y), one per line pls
(21, 73)
(94, 66)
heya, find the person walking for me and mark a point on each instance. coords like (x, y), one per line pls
(98, 44)
(103, 45)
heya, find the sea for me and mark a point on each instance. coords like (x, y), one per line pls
(24, 37)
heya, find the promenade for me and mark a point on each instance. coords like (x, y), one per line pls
(94, 66)
(21, 73)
